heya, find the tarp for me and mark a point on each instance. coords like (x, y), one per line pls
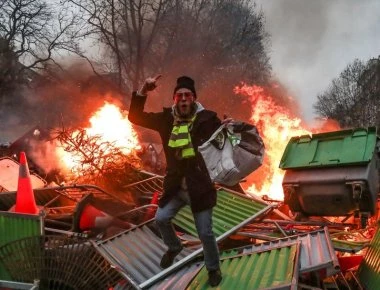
(9, 171)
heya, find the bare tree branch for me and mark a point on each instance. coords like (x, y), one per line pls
(97, 161)
(353, 98)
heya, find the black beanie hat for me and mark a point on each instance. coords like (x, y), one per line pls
(187, 83)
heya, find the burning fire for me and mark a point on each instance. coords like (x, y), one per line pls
(109, 128)
(276, 128)
(109, 123)
(274, 122)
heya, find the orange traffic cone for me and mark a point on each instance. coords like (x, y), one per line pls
(91, 217)
(25, 202)
(88, 217)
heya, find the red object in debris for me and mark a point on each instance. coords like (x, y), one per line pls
(155, 197)
(91, 217)
(152, 210)
(25, 202)
(289, 227)
(349, 262)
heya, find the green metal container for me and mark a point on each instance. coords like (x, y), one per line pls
(332, 149)
(332, 174)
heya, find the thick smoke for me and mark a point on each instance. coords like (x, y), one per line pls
(313, 41)
(303, 29)
(56, 99)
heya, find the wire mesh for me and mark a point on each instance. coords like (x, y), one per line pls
(59, 262)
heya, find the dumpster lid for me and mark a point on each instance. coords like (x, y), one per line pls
(339, 148)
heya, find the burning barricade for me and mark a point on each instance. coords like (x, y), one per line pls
(110, 235)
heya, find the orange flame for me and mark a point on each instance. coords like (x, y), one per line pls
(114, 127)
(276, 128)
(111, 126)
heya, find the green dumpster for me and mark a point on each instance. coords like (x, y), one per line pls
(332, 174)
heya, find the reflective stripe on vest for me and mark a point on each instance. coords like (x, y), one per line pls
(180, 138)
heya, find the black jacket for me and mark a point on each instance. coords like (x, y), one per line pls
(201, 190)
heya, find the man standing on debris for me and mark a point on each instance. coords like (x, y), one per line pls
(183, 127)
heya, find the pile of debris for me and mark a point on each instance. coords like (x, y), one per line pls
(83, 237)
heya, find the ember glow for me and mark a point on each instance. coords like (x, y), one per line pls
(276, 126)
(109, 127)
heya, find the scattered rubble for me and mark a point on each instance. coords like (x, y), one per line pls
(85, 237)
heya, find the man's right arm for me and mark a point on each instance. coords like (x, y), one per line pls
(136, 111)
(137, 115)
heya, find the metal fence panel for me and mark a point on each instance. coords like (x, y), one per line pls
(231, 209)
(43, 197)
(58, 262)
(14, 226)
(18, 285)
(137, 253)
(269, 269)
(369, 270)
(180, 279)
(316, 251)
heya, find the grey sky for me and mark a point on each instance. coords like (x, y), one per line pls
(312, 41)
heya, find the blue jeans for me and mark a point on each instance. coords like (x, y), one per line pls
(203, 223)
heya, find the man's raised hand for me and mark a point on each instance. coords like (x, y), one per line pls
(149, 85)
